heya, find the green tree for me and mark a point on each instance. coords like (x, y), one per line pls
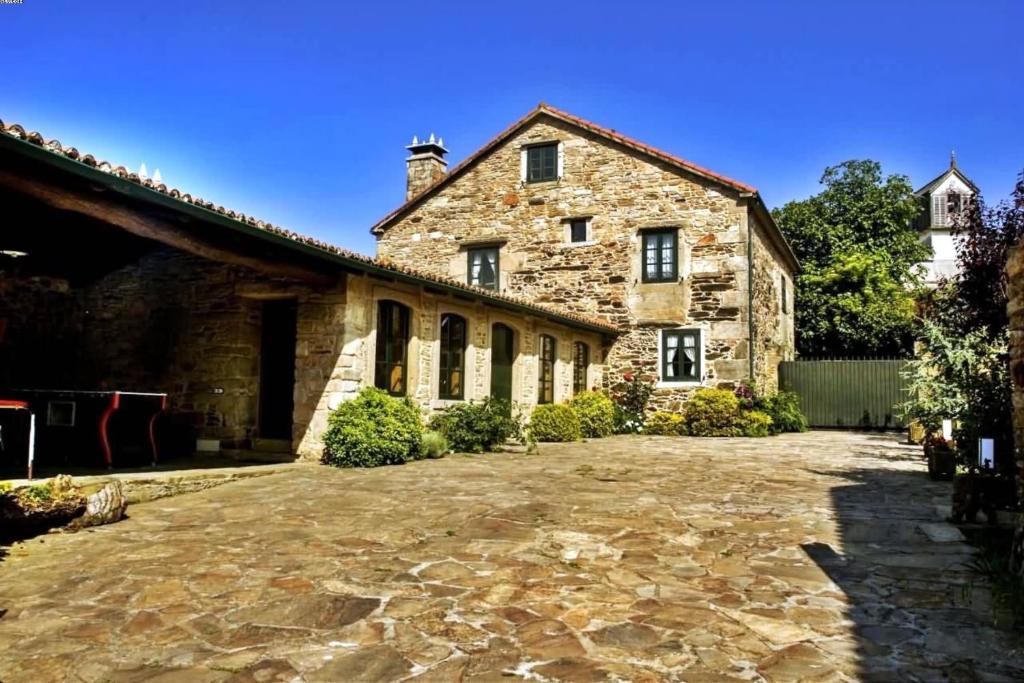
(858, 252)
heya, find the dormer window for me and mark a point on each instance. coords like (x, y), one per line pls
(542, 163)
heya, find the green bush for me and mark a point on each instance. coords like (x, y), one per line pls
(478, 427)
(712, 412)
(434, 445)
(784, 410)
(754, 423)
(665, 424)
(596, 413)
(373, 429)
(555, 422)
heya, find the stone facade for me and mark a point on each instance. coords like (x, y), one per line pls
(191, 327)
(1015, 294)
(620, 192)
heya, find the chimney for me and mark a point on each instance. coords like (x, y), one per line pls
(425, 165)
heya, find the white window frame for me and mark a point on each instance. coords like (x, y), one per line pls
(560, 156)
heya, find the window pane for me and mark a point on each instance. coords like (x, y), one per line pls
(578, 231)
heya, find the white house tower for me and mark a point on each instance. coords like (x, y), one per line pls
(942, 199)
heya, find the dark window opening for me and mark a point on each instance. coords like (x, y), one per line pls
(453, 357)
(785, 296)
(578, 231)
(660, 256)
(546, 373)
(542, 163)
(953, 204)
(680, 356)
(390, 372)
(580, 362)
(483, 268)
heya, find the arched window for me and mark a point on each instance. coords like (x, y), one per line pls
(546, 370)
(453, 357)
(580, 362)
(391, 367)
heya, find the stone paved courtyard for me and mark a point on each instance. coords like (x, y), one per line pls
(807, 557)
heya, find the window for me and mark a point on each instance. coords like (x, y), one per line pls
(483, 268)
(580, 362)
(453, 357)
(392, 347)
(659, 256)
(546, 374)
(542, 163)
(953, 204)
(680, 356)
(578, 230)
(785, 296)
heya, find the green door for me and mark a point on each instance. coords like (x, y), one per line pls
(502, 339)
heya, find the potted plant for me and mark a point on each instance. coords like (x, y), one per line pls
(941, 456)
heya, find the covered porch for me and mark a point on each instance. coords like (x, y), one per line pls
(139, 328)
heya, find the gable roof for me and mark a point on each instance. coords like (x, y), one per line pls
(543, 109)
(124, 183)
(939, 179)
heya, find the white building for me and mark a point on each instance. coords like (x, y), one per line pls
(942, 199)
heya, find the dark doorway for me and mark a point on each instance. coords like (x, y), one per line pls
(277, 369)
(502, 356)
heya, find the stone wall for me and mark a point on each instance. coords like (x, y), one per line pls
(621, 192)
(1015, 309)
(38, 350)
(424, 346)
(774, 339)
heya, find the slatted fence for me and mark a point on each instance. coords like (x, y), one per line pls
(851, 394)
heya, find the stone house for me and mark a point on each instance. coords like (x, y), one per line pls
(111, 280)
(566, 213)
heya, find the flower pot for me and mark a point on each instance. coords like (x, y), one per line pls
(941, 463)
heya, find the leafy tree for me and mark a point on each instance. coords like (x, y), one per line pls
(858, 253)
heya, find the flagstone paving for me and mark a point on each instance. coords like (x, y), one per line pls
(814, 557)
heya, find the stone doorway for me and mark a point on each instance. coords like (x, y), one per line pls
(277, 369)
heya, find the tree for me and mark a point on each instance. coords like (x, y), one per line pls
(858, 253)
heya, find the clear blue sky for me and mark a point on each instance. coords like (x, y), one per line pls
(297, 112)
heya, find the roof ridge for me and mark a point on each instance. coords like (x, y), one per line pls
(54, 147)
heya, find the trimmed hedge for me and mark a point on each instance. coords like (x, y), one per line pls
(477, 427)
(373, 429)
(712, 412)
(665, 424)
(555, 422)
(596, 413)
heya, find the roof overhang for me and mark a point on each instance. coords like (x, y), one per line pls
(62, 177)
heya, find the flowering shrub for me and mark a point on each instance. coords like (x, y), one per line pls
(631, 397)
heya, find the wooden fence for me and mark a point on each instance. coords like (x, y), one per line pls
(850, 394)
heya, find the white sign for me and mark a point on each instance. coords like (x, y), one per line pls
(986, 453)
(947, 430)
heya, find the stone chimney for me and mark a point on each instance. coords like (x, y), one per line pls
(425, 165)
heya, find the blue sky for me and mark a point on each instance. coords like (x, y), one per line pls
(297, 112)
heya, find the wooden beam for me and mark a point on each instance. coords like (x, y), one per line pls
(149, 227)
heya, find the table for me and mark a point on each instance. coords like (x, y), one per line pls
(62, 411)
(9, 404)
